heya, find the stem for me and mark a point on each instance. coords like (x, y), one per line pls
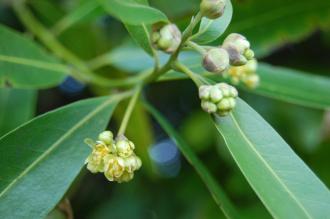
(129, 110)
(196, 47)
(185, 36)
(182, 68)
(83, 72)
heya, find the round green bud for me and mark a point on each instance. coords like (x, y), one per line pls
(124, 148)
(212, 9)
(106, 137)
(215, 94)
(232, 103)
(224, 104)
(216, 60)
(204, 92)
(233, 91)
(238, 41)
(225, 89)
(249, 54)
(209, 106)
(168, 38)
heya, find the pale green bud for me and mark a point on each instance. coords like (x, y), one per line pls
(216, 60)
(204, 92)
(249, 54)
(233, 91)
(215, 94)
(212, 9)
(225, 89)
(224, 104)
(106, 137)
(124, 148)
(168, 38)
(208, 106)
(114, 167)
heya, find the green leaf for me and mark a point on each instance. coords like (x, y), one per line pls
(210, 30)
(20, 103)
(131, 12)
(294, 86)
(83, 11)
(41, 158)
(140, 34)
(283, 182)
(271, 24)
(216, 191)
(23, 64)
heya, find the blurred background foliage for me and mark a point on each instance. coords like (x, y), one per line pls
(283, 32)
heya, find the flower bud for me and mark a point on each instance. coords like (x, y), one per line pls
(221, 99)
(251, 81)
(215, 94)
(95, 159)
(114, 167)
(204, 92)
(168, 38)
(132, 163)
(212, 9)
(209, 106)
(106, 137)
(124, 148)
(238, 48)
(216, 60)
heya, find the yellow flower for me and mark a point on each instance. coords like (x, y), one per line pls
(114, 167)
(95, 159)
(124, 148)
(132, 163)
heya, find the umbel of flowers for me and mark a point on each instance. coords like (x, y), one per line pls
(113, 157)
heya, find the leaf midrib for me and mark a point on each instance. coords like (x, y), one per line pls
(269, 168)
(35, 63)
(56, 144)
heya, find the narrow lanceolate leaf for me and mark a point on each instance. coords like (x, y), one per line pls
(217, 193)
(17, 102)
(23, 64)
(210, 30)
(283, 182)
(41, 158)
(294, 86)
(131, 12)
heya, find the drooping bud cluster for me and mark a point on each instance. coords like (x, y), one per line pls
(245, 74)
(115, 158)
(212, 9)
(219, 98)
(168, 38)
(238, 48)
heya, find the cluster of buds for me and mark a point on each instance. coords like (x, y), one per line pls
(245, 74)
(167, 39)
(113, 157)
(213, 9)
(235, 51)
(219, 98)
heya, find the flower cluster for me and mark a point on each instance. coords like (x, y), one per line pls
(219, 98)
(235, 51)
(245, 74)
(113, 157)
